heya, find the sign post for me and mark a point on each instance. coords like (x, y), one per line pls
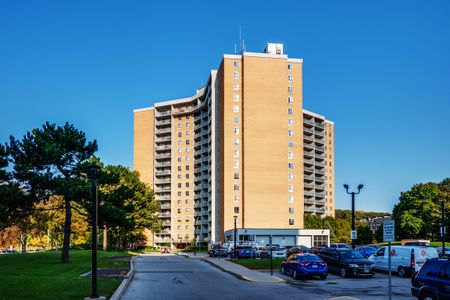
(389, 236)
(353, 235)
(271, 263)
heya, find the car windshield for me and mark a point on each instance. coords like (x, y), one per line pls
(368, 249)
(313, 258)
(351, 255)
(278, 249)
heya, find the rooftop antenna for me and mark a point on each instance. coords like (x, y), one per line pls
(235, 48)
(241, 41)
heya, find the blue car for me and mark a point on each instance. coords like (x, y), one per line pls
(432, 281)
(366, 251)
(302, 265)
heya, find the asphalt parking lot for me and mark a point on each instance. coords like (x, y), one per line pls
(355, 287)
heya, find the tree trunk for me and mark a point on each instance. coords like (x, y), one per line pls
(67, 231)
(23, 241)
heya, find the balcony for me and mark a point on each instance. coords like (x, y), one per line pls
(163, 156)
(162, 198)
(163, 131)
(320, 141)
(163, 139)
(163, 165)
(320, 187)
(319, 148)
(308, 130)
(162, 123)
(165, 206)
(319, 125)
(320, 179)
(308, 177)
(322, 156)
(320, 163)
(320, 202)
(309, 201)
(319, 195)
(308, 161)
(307, 193)
(163, 147)
(162, 173)
(320, 210)
(320, 171)
(165, 113)
(309, 185)
(308, 154)
(308, 170)
(309, 209)
(160, 240)
(309, 146)
(308, 121)
(308, 137)
(164, 215)
(162, 190)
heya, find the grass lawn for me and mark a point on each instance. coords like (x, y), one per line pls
(259, 263)
(43, 276)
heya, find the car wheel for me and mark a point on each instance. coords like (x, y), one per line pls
(323, 277)
(427, 296)
(282, 271)
(295, 275)
(401, 272)
(343, 272)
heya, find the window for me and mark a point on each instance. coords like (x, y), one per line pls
(179, 168)
(236, 176)
(320, 240)
(179, 193)
(290, 122)
(236, 209)
(187, 193)
(235, 164)
(179, 185)
(188, 150)
(290, 144)
(290, 67)
(291, 210)
(330, 164)
(290, 155)
(187, 184)
(180, 150)
(291, 221)
(290, 165)
(179, 125)
(187, 125)
(187, 168)
(236, 74)
(179, 176)
(290, 100)
(290, 198)
(290, 176)
(188, 117)
(179, 227)
(289, 89)
(179, 159)
(187, 201)
(186, 210)
(187, 227)
(187, 158)
(290, 78)
(290, 132)
(236, 197)
(235, 64)
(290, 111)
(290, 187)
(236, 153)
(236, 97)
(179, 134)
(187, 132)
(179, 143)
(188, 142)
(236, 108)
(236, 141)
(236, 130)
(187, 176)
(236, 187)
(236, 120)
(236, 86)
(179, 202)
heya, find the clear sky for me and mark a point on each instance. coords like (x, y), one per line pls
(379, 69)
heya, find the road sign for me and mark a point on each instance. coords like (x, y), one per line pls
(354, 235)
(389, 231)
(443, 231)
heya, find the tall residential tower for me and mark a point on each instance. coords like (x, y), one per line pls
(242, 148)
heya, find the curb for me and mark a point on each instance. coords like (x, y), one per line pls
(182, 254)
(124, 284)
(238, 276)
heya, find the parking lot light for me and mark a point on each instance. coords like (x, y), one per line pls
(235, 233)
(346, 187)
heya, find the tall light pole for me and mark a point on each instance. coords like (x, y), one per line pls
(346, 187)
(443, 226)
(235, 233)
(195, 235)
(92, 174)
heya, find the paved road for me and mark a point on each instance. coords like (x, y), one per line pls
(173, 277)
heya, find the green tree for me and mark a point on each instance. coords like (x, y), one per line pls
(379, 233)
(128, 206)
(417, 214)
(312, 222)
(365, 235)
(47, 162)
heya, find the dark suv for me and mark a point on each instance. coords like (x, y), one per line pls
(432, 282)
(347, 262)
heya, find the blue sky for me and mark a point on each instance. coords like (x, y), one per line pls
(379, 69)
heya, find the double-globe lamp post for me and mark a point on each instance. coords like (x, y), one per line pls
(346, 187)
(235, 237)
(92, 174)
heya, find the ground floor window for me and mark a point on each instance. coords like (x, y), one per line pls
(320, 240)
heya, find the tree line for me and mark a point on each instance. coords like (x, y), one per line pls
(45, 195)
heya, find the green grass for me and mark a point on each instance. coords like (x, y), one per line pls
(259, 263)
(43, 276)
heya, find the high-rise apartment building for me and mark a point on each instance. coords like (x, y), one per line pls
(243, 150)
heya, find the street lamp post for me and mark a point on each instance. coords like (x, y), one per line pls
(195, 235)
(346, 187)
(443, 226)
(93, 172)
(235, 233)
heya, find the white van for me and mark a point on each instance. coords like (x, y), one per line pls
(405, 260)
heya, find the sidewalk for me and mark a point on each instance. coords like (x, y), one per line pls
(242, 272)
(191, 254)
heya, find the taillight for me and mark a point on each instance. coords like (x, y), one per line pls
(413, 260)
(304, 264)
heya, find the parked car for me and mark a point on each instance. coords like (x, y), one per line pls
(216, 250)
(366, 251)
(302, 265)
(339, 245)
(447, 251)
(433, 280)
(405, 260)
(317, 249)
(347, 262)
(246, 252)
(277, 252)
(298, 249)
